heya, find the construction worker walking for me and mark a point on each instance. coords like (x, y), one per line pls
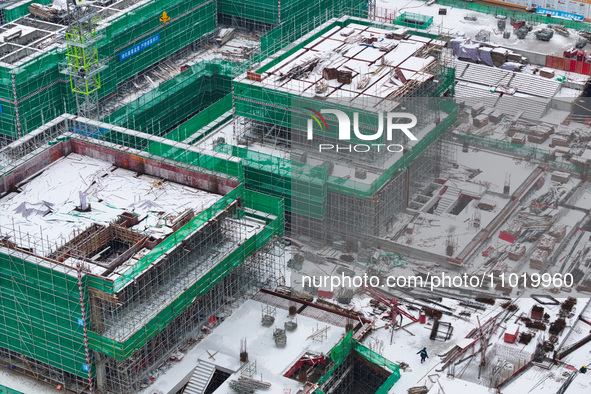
(423, 354)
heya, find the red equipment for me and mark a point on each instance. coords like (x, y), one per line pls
(391, 302)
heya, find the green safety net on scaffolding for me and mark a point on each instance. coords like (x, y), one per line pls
(196, 128)
(275, 12)
(416, 21)
(252, 200)
(26, 306)
(43, 93)
(343, 349)
(8, 390)
(200, 86)
(19, 9)
(281, 108)
(281, 177)
(294, 24)
(303, 186)
(529, 152)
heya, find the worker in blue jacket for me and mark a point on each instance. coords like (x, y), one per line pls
(423, 354)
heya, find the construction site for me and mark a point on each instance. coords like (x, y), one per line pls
(294, 197)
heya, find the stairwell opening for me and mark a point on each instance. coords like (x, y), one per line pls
(218, 378)
(461, 203)
(357, 376)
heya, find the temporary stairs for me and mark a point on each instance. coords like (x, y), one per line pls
(448, 198)
(200, 379)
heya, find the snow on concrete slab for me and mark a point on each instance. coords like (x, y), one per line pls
(455, 23)
(494, 169)
(450, 385)
(24, 384)
(271, 361)
(46, 205)
(431, 231)
(414, 63)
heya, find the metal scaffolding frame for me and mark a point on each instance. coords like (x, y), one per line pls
(235, 250)
(127, 375)
(320, 202)
(355, 375)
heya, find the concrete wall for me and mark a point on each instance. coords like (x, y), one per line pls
(155, 168)
(536, 58)
(121, 159)
(34, 165)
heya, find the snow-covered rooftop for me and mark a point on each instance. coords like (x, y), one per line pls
(222, 348)
(46, 207)
(380, 62)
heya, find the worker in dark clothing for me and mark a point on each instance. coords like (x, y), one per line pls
(423, 354)
(583, 369)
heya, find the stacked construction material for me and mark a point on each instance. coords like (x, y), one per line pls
(516, 252)
(584, 135)
(558, 231)
(516, 128)
(518, 139)
(539, 259)
(547, 72)
(480, 120)
(562, 138)
(540, 133)
(499, 56)
(547, 243)
(476, 109)
(560, 176)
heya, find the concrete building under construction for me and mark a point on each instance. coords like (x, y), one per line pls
(104, 274)
(142, 239)
(351, 65)
(154, 154)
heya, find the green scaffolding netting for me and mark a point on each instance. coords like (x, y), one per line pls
(343, 349)
(274, 12)
(44, 93)
(378, 359)
(8, 390)
(33, 295)
(302, 186)
(268, 105)
(413, 20)
(255, 201)
(20, 9)
(338, 355)
(212, 115)
(202, 85)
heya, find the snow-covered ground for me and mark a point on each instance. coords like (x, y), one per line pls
(271, 361)
(492, 171)
(24, 384)
(455, 23)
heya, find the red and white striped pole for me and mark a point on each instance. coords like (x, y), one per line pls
(83, 312)
(18, 119)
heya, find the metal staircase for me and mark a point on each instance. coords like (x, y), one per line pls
(448, 198)
(200, 379)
